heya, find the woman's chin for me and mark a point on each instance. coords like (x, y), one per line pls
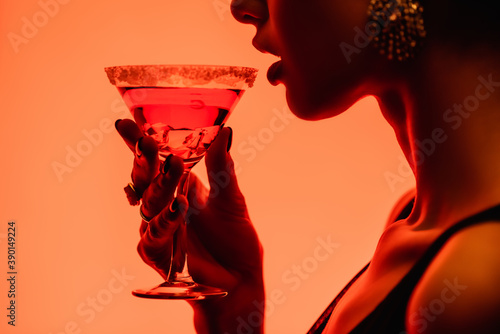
(312, 108)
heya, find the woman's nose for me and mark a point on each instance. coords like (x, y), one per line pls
(250, 11)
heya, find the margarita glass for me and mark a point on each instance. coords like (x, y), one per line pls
(183, 108)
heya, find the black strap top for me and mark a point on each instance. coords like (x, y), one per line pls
(389, 316)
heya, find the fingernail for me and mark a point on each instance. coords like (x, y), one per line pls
(116, 123)
(166, 165)
(230, 139)
(174, 205)
(138, 150)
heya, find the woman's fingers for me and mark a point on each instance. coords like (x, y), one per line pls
(221, 175)
(129, 131)
(155, 246)
(161, 191)
(163, 225)
(223, 223)
(146, 163)
(202, 265)
(146, 160)
(197, 192)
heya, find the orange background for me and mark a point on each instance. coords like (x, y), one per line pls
(309, 180)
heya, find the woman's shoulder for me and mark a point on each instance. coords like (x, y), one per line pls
(459, 291)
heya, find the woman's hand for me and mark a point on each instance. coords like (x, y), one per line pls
(224, 250)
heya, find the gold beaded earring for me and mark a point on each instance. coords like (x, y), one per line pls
(397, 27)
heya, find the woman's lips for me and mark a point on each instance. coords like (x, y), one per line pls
(274, 73)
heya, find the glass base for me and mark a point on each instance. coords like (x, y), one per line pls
(180, 290)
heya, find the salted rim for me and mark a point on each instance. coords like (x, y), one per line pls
(201, 76)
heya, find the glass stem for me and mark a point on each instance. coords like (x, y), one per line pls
(179, 261)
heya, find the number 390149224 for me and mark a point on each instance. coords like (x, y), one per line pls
(11, 241)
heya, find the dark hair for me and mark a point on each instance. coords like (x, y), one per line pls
(465, 21)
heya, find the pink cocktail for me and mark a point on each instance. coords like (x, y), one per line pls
(182, 107)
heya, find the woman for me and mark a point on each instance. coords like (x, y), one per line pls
(434, 67)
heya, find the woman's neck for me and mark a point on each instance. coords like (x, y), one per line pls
(447, 121)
